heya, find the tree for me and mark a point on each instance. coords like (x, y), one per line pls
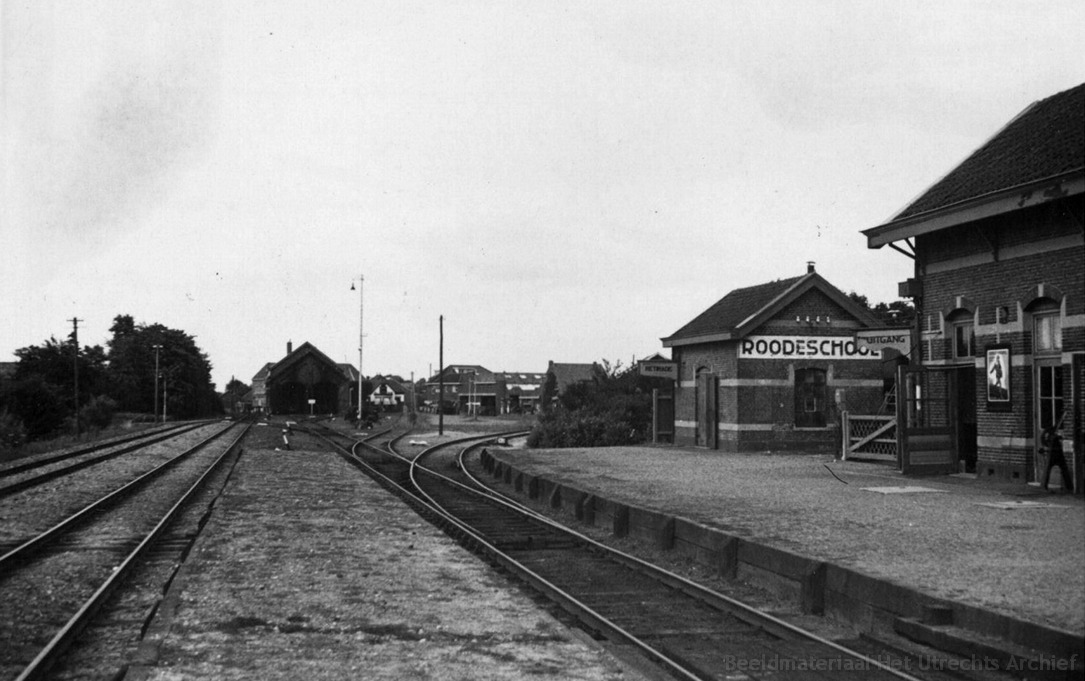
(897, 313)
(184, 370)
(54, 362)
(237, 387)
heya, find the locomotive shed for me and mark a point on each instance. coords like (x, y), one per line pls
(308, 569)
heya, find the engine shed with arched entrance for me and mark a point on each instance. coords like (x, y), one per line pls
(306, 374)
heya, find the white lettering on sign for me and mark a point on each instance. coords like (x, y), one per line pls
(805, 347)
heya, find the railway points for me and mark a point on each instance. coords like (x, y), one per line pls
(298, 564)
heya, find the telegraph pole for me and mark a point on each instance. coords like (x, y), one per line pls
(361, 337)
(157, 347)
(441, 380)
(75, 366)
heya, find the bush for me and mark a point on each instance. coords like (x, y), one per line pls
(37, 404)
(98, 413)
(614, 408)
(561, 428)
(12, 432)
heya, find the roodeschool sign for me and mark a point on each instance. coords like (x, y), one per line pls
(805, 347)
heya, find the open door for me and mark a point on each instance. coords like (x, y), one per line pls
(926, 427)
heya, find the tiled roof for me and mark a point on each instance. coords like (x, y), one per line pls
(566, 374)
(348, 370)
(1045, 140)
(734, 308)
(264, 371)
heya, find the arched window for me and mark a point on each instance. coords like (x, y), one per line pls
(811, 409)
(962, 334)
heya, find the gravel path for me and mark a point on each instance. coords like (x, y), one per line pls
(1025, 562)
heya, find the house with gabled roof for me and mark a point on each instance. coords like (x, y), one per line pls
(770, 367)
(999, 292)
(522, 391)
(388, 392)
(457, 380)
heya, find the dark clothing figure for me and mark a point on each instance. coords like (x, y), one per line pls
(1052, 443)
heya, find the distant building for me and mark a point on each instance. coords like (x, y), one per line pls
(455, 378)
(474, 389)
(389, 393)
(522, 391)
(561, 375)
(768, 367)
(305, 381)
(999, 291)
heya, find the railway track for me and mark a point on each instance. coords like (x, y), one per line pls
(688, 630)
(24, 475)
(53, 583)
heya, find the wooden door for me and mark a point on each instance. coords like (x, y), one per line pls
(926, 420)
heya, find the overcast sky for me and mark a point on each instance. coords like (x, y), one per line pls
(565, 181)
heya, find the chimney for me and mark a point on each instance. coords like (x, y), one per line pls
(809, 266)
(289, 347)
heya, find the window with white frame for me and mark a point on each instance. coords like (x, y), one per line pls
(964, 340)
(1046, 333)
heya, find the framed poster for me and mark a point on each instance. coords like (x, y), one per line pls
(997, 373)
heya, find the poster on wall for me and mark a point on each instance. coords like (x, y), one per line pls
(997, 372)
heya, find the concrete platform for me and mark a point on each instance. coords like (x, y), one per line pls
(852, 540)
(307, 569)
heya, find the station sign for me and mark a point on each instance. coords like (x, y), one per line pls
(805, 347)
(877, 339)
(659, 370)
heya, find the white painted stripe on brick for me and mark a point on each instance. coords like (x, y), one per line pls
(754, 382)
(735, 427)
(856, 383)
(728, 427)
(1000, 442)
(687, 384)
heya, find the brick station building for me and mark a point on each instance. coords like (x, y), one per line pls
(999, 289)
(770, 367)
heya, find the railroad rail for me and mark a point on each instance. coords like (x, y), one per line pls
(23, 476)
(688, 630)
(65, 574)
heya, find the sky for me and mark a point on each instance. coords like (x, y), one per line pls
(565, 181)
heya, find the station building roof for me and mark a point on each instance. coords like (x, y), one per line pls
(744, 309)
(1036, 157)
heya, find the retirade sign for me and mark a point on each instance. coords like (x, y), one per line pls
(659, 370)
(804, 347)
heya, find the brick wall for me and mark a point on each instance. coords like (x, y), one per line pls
(756, 397)
(989, 272)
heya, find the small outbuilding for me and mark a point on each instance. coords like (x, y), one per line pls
(770, 367)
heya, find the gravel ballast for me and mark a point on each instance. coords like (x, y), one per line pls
(1024, 561)
(308, 569)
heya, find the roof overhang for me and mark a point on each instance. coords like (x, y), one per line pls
(695, 340)
(986, 206)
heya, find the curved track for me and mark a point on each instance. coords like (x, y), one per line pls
(52, 584)
(690, 631)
